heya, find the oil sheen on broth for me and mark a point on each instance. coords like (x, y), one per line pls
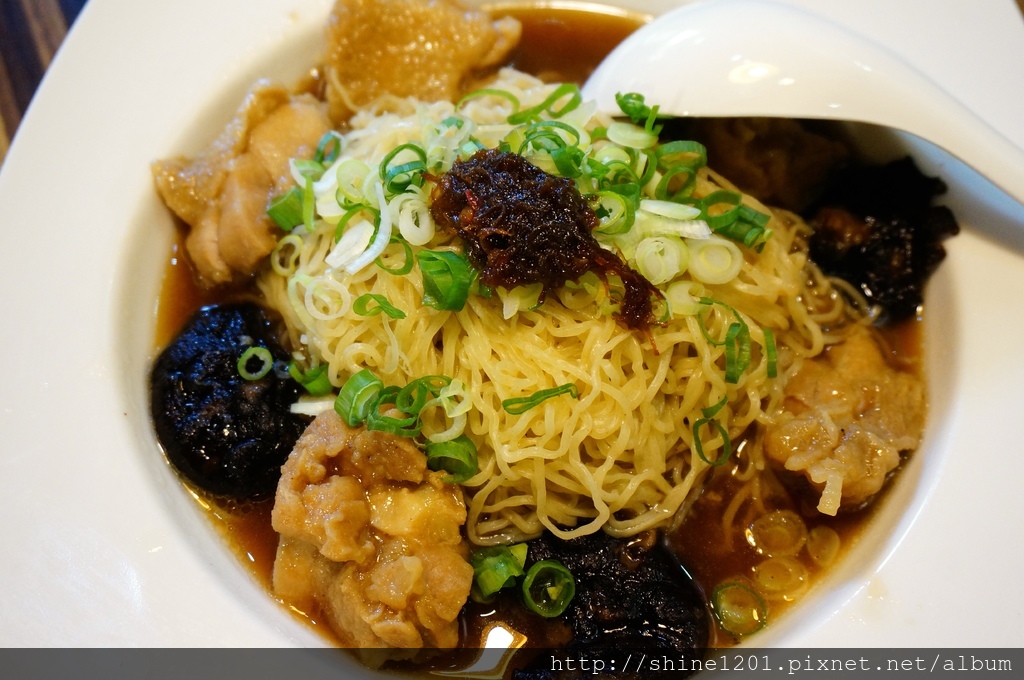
(712, 549)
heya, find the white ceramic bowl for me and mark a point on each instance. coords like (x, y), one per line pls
(104, 547)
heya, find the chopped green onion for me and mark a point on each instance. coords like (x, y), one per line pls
(362, 307)
(489, 92)
(456, 457)
(496, 567)
(676, 183)
(329, 148)
(631, 136)
(357, 397)
(670, 209)
(406, 265)
(771, 354)
(316, 380)
(519, 405)
(257, 354)
(737, 342)
(339, 228)
(708, 419)
(744, 232)
(649, 164)
(306, 169)
(377, 420)
(453, 121)
(692, 154)
(714, 260)
(758, 219)
(287, 209)
(352, 174)
(737, 351)
(681, 298)
(544, 135)
(661, 258)
(520, 298)
(446, 279)
(632, 104)
(739, 610)
(570, 90)
(413, 397)
(618, 212)
(399, 177)
(454, 398)
(737, 222)
(548, 588)
(569, 161)
(308, 204)
(470, 148)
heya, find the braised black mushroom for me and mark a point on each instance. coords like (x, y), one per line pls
(877, 229)
(227, 434)
(631, 595)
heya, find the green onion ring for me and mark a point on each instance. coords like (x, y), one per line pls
(357, 397)
(447, 277)
(329, 148)
(519, 405)
(698, 445)
(376, 420)
(361, 306)
(457, 457)
(261, 354)
(548, 588)
(489, 92)
(770, 352)
(548, 105)
(724, 610)
(316, 381)
(287, 209)
(406, 266)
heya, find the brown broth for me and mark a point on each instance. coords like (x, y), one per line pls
(551, 48)
(714, 553)
(565, 45)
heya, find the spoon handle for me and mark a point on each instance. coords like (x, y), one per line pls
(760, 58)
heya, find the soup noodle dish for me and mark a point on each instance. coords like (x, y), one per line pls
(460, 351)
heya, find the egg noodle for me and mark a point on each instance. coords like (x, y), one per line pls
(618, 454)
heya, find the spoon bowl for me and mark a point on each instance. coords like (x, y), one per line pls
(716, 59)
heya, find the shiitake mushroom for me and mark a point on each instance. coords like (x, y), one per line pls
(226, 434)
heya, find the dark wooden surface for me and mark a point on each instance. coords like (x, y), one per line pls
(30, 33)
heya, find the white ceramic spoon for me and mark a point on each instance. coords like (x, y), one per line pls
(760, 58)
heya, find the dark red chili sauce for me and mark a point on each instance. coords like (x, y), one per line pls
(521, 225)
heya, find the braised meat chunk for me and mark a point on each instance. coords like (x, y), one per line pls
(425, 49)
(848, 417)
(373, 538)
(223, 193)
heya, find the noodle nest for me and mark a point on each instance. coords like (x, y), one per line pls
(621, 456)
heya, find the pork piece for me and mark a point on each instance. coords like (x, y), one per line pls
(632, 597)
(222, 193)
(373, 538)
(426, 49)
(849, 416)
(226, 434)
(780, 161)
(877, 229)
